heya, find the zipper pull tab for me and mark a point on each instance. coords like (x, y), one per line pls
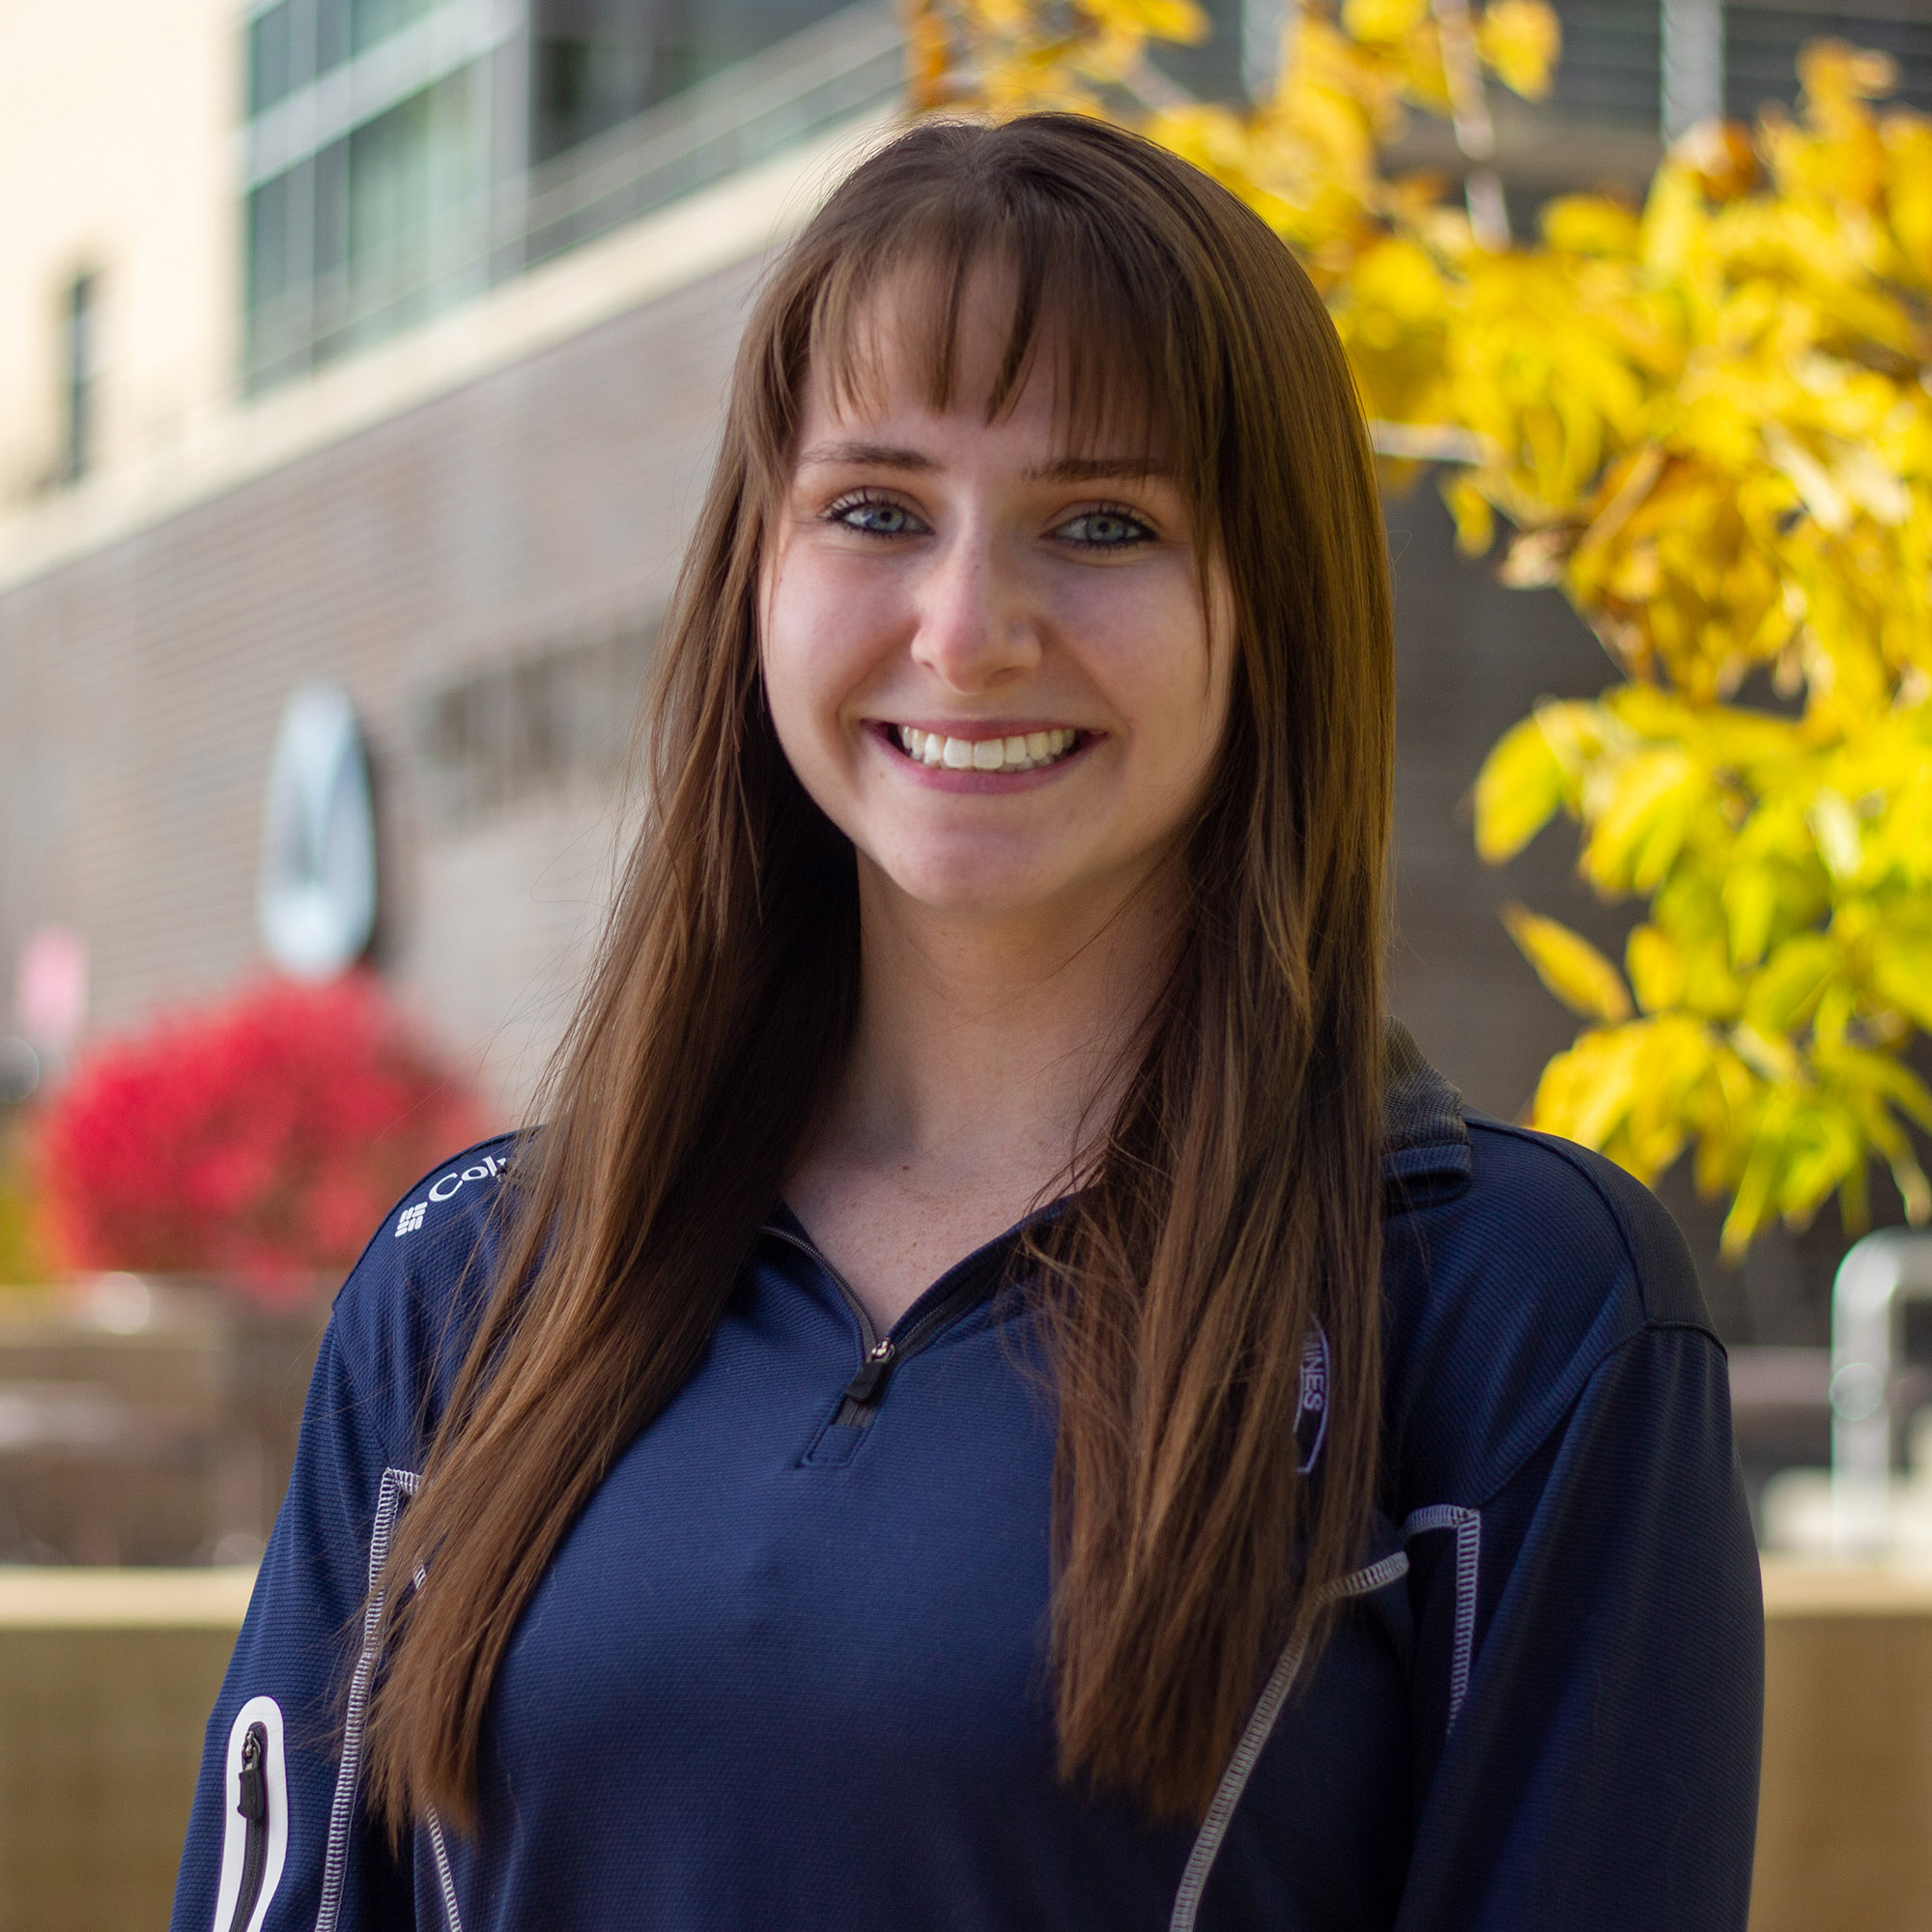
(253, 1801)
(864, 1387)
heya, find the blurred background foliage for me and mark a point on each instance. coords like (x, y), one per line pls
(254, 1143)
(20, 1256)
(1707, 419)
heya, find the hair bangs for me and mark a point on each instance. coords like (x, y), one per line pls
(1098, 324)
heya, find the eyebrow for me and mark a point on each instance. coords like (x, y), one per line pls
(867, 455)
(1096, 469)
(1061, 469)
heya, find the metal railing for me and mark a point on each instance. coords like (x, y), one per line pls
(1877, 1277)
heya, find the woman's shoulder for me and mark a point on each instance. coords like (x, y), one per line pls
(402, 1321)
(1513, 1272)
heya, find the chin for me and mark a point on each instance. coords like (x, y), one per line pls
(984, 887)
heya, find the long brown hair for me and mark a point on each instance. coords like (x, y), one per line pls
(1232, 1203)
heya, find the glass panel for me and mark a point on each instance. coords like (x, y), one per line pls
(599, 62)
(707, 35)
(388, 202)
(415, 180)
(278, 277)
(80, 324)
(331, 208)
(373, 21)
(330, 248)
(331, 34)
(271, 56)
(268, 242)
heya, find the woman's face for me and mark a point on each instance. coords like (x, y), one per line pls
(989, 659)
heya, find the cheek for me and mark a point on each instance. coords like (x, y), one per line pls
(815, 660)
(786, 657)
(799, 643)
(1153, 653)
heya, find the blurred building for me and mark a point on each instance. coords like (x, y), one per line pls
(381, 342)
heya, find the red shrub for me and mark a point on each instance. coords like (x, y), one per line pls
(258, 1141)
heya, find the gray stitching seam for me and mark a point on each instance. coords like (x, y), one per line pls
(396, 1485)
(1247, 1751)
(1467, 1523)
(443, 1877)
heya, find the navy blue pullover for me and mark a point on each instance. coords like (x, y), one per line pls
(787, 1672)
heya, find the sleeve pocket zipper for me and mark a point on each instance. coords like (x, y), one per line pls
(253, 1806)
(255, 1830)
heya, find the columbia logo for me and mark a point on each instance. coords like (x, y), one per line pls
(410, 1219)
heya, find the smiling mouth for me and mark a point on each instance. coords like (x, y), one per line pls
(1025, 753)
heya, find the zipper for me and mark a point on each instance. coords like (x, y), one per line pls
(880, 1354)
(252, 1803)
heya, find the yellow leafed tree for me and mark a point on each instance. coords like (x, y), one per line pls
(1709, 421)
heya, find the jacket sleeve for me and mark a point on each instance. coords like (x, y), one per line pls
(288, 1713)
(1598, 1642)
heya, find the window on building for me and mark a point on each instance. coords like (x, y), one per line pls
(292, 44)
(81, 328)
(597, 63)
(401, 155)
(373, 21)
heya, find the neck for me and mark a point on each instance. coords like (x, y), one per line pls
(989, 1053)
(978, 1037)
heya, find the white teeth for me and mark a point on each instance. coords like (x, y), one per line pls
(1015, 754)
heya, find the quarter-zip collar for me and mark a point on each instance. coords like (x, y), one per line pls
(1426, 1154)
(963, 1286)
(1425, 1158)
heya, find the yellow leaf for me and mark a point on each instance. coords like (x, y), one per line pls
(1901, 974)
(1589, 224)
(1822, 1147)
(1521, 39)
(1568, 965)
(1788, 985)
(1656, 969)
(1750, 904)
(1159, 19)
(1909, 198)
(1767, 1055)
(1640, 812)
(1520, 786)
(1384, 20)
(1475, 520)
(1836, 827)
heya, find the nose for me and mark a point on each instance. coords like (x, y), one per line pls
(976, 627)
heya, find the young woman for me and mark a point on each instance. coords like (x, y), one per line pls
(1006, 1395)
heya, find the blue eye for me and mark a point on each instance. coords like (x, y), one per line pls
(876, 517)
(1104, 529)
